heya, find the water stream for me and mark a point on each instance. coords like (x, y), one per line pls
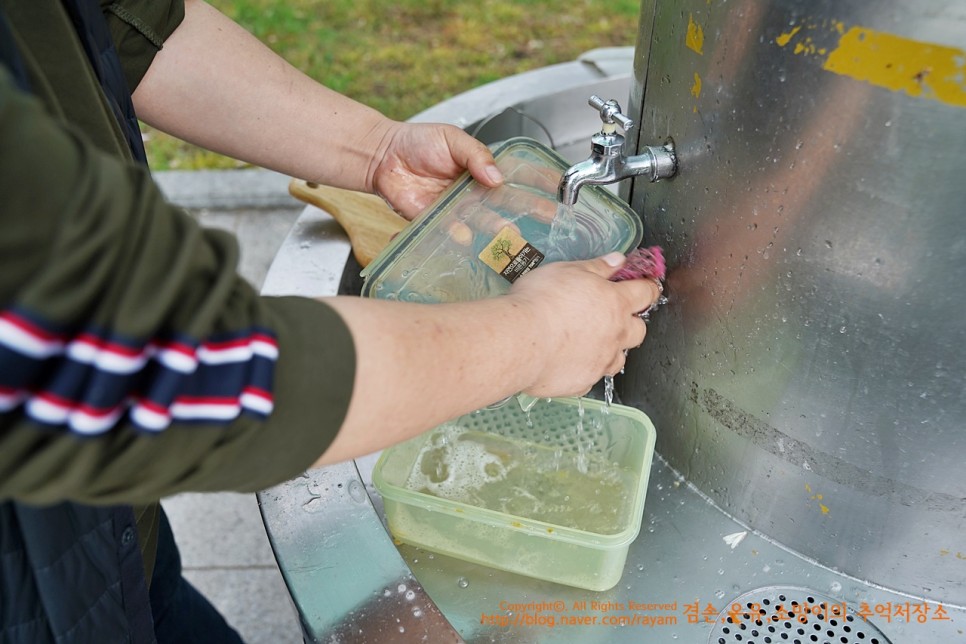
(563, 228)
(608, 394)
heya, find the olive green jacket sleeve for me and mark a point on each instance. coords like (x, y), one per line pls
(139, 29)
(104, 284)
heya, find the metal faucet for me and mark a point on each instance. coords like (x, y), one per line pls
(607, 163)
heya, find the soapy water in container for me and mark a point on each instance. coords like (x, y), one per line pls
(578, 489)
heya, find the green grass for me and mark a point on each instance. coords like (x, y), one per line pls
(403, 56)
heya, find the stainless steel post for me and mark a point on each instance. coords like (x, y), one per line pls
(808, 374)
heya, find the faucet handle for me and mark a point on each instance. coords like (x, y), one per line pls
(610, 114)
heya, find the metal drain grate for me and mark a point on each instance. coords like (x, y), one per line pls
(790, 615)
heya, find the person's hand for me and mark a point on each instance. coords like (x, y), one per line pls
(560, 329)
(589, 322)
(418, 161)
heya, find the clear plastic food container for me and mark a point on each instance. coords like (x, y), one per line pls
(475, 241)
(555, 493)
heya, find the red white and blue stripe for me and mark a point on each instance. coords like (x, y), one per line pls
(90, 381)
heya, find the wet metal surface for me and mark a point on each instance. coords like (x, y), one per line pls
(808, 373)
(351, 583)
(347, 580)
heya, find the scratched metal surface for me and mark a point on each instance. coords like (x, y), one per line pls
(808, 374)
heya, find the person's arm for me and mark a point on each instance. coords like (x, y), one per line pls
(560, 329)
(135, 363)
(558, 332)
(216, 85)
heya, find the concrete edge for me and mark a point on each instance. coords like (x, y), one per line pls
(226, 189)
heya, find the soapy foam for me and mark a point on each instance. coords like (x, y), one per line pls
(451, 468)
(576, 489)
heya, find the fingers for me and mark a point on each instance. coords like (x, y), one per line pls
(560, 292)
(473, 155)
(638, 333)
(637, 294)
(606, 265)
(617, 365)
(644, 291)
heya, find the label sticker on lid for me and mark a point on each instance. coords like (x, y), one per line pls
(510, 255)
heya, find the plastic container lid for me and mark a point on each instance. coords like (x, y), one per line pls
(475, 241)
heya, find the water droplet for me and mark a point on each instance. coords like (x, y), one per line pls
(401, 588)
(410, 595)
(462, 583)
(721, 571)
(356, 491)
(835, 587)
(720, 594)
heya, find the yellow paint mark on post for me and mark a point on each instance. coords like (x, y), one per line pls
(898, 64)
(785, 38)
(696, 88)
(817, 497)
(695, 38)
(901, 65)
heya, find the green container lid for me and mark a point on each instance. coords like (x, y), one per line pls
(474, 241)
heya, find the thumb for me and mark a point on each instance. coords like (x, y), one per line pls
(472, 154)
(606, 265)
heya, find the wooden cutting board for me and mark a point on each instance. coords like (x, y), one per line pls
(368, 220)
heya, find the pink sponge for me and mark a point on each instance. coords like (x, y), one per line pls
(642, 262)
